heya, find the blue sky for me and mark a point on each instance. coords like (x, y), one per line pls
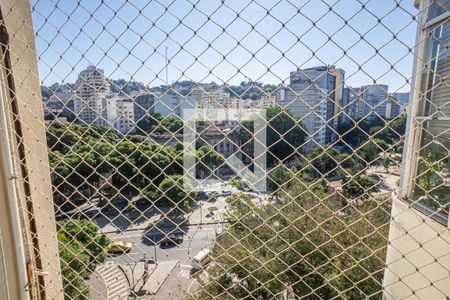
(128, 39)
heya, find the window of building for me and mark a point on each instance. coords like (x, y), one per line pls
(431, 186)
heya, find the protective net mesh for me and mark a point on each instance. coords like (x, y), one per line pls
(166, 186)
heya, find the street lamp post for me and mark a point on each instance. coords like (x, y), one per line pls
(154, 246)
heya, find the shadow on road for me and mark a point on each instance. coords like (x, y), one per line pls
(155, 233)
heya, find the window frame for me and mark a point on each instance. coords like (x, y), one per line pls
(417, 112)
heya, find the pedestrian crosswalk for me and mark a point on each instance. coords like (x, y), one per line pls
(116, 283)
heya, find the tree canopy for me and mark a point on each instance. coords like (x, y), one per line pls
(81, 247)
(285, 134)
(299, 242)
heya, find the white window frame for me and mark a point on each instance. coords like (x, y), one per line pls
(414, 128)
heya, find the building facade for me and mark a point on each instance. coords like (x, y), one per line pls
(90, 100)
(401, 99)
(314, 95)
(375, 98)
(418, 260)
(120, 112)
(143, 104)
(352, 105)
(172, 105)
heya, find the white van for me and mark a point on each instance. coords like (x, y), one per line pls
(201, 259)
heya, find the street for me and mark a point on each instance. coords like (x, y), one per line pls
(153, 270)
(175, 281)
(166, 269)
(196, 238)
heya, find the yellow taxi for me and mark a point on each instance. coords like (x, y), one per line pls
(119, 247)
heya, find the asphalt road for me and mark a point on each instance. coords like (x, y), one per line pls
(195, 238)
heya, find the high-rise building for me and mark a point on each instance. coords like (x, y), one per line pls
(338, 94)
(375, 98)
(90, 103)
(172, 105)
(351, 105)
(401, 98)
(120, 113)
(310, 106)
(143, 104)
(312, 95)
(398, 103)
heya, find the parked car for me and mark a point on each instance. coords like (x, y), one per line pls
(201, 260)
(171, 240)
(226, 193)
(201, 196)
(119, 247)
(253, 195)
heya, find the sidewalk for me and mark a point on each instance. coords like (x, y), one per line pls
(159, 275)
(148, 279)
(135, 221)
(203, 215)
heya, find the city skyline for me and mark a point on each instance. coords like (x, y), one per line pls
(317, 96)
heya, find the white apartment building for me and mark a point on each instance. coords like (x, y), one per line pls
(266, 100)
(172, 105)
(215, 99)
(120, 113)
(90, 100)
(397, 103)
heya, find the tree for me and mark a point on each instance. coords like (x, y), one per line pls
(158, 124)
(279, 177)
(360, 185)
(81, 247)
(209, 159)
(88, 235)
(386, 163)
(298, 242)
(356, 132)
(370, 151)
(430, 165)
(73, 268)
(80, 156)
(323, 160)
(237, 183)
(353, 133)
(285, 134)
(174, 191)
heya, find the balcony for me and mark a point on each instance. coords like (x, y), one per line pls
(157, 186)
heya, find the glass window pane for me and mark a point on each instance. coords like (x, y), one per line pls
(432, 181)
(436, 84)
(437, 8)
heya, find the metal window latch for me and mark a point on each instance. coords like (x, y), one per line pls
(40, 273)
(27, 287)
